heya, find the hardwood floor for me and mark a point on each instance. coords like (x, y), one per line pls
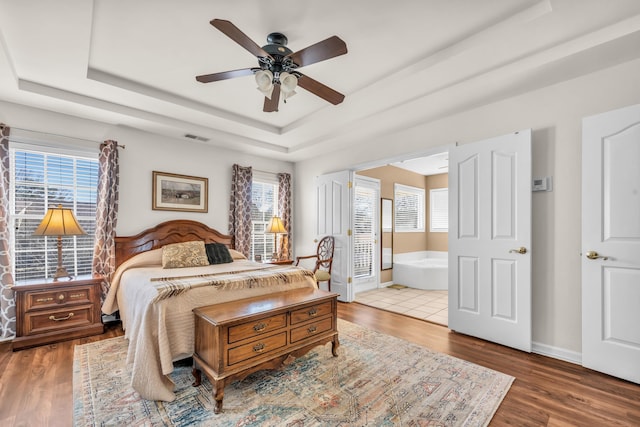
(36, 384)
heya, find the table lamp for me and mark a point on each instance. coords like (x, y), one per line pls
(59, 222)
(275, 227)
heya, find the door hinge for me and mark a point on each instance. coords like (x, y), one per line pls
(349, 232)
(348, 279)
(349, 184)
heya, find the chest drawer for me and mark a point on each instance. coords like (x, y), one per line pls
(60, 319)
(310, 312)
(257, 348)
(311, 329)
(256, 328)
(38, 300)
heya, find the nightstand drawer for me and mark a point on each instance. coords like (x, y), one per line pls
(53, 298)
(257, 348)
(53, 320)
(311, 312)
(258, 327)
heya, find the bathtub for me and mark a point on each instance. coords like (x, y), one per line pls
(422, 270)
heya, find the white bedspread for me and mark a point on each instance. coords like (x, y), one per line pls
(162, 332)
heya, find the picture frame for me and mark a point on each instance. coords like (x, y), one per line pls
(174, 192)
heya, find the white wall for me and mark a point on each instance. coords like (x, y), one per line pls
(143, 154)
(555, 115)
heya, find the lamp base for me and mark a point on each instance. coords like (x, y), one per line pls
(61, 272)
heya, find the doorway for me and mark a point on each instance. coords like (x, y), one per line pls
(415, 190)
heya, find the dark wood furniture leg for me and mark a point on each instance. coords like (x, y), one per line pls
(197, 375)
(218, 395)
(335, 344)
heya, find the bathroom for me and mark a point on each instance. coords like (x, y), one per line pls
(413, 238)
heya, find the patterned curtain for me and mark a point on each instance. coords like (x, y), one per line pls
(104, 260)
(284, 210)
(240, 209)
(7, 301)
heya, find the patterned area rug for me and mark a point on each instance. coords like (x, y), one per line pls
(377, 380)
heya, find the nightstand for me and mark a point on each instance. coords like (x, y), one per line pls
(49, 312)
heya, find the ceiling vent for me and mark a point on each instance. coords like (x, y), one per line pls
(196, 137)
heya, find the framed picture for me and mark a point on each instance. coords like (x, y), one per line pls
(172, 192)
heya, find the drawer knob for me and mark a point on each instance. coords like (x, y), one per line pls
(258, 327)
(258, 348)
(59, 319)
(312, 329)
(312, 312)
(60, 297)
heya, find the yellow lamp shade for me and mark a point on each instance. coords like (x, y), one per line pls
(59, 222)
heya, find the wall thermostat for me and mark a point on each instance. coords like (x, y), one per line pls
(542, 184)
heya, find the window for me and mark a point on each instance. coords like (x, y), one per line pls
(264, 205)
(40, 180)
(409, 208)
(364, 230)
(439, 210)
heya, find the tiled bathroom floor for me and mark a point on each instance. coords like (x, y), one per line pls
(426, 305)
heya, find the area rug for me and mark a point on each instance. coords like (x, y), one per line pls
(376, 380)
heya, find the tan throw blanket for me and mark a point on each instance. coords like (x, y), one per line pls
(231, 280)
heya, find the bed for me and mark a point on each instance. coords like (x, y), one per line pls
(156, 303)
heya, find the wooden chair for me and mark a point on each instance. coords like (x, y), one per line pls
(324, 260)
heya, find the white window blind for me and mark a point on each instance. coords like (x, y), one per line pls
(40, 180)
(409, 206)
(363, 230)
(439, 210)
(264, 205)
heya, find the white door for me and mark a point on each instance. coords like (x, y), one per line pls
(490, 239)
(333, 214)
(366, 223)
(611, 243)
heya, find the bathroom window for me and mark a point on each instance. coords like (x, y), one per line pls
(439, 210)
(409, 206)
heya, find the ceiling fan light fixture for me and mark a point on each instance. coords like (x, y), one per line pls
(288, 84)
(264, 79)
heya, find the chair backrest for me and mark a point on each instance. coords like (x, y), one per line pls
(325, 253)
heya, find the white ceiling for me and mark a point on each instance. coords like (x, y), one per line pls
(133, 63)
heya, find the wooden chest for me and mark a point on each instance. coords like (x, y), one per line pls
(236, 338)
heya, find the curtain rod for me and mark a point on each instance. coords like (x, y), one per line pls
(2, 125)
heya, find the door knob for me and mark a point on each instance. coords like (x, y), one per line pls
(594, 255)
(521, 250)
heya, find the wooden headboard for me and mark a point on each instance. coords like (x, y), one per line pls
(176, 231)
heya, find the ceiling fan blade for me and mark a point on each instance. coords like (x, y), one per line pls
(207, 78)
(271, 105)
(326, 49)
(318, 89)
(239, 37)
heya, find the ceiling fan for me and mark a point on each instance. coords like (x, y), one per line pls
(278, 66)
